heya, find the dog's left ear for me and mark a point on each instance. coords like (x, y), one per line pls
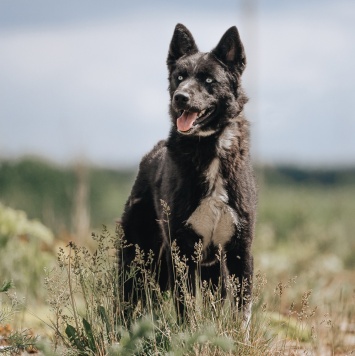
(182, 43)
(230, 50)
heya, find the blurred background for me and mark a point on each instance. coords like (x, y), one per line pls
(80, 79)
(83, 96)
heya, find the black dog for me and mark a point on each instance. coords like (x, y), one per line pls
(202, 172)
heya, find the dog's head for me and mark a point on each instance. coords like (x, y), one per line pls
(205, 88)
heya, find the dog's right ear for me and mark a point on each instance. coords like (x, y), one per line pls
(182, 43)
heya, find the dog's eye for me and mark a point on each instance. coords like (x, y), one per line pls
(180, 78)
(209, 80)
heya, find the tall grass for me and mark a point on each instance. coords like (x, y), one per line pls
(89, 316)
(13, 342)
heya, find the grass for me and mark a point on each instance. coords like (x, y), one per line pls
(303, 302)
(89, 315)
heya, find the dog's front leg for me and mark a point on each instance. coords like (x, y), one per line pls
(185, 292)
(184, 272)
(240, 265)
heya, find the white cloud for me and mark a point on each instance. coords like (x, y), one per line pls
(306, 62)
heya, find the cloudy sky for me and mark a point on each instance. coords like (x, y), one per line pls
(87, 79)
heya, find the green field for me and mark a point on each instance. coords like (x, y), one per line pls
(304, 248)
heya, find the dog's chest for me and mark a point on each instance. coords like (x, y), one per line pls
(214, 220)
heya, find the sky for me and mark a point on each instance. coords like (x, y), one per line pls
(87, 80)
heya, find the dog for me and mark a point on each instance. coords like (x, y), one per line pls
(203, 174)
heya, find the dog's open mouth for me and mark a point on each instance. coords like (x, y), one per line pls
(188, 119)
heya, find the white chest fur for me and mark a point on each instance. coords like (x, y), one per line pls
(214, 219)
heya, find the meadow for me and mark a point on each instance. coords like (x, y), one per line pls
(64, 295)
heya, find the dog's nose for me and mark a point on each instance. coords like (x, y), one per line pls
(181, 98)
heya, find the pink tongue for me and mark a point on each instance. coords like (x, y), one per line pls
(186, 120)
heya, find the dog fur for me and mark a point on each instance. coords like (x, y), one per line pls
(203, 173)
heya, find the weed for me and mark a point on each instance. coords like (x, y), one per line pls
(13, 341)
(90, 317)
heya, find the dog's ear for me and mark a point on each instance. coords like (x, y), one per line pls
(182, 43)
(230, 50)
